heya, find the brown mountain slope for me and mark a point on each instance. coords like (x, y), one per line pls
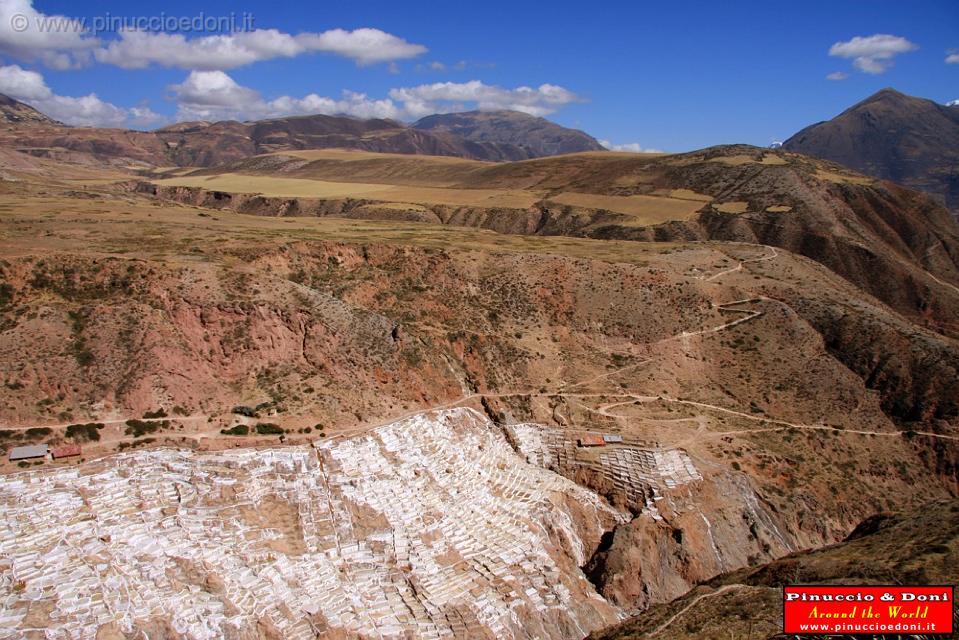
(912, 141)
(920, 546)
(211, 144)
(537, 136)
(15, 112)
(895, 243)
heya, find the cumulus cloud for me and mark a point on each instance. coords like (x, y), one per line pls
(57, 41)
(61, 42)
(365, 46)
(214, 95)
(632, 147)
(140, 49)
(872, 54)
(952, 57)
(837, 75)
(30, 87)
(457, 96)
(23, 85)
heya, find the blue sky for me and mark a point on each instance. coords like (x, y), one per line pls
(673, 76)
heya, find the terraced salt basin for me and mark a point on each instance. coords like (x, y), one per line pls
(429, 527)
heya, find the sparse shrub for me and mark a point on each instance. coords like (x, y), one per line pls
(139, 428)
(78, 346)
(238, 430)
(268, 428)
(159, 413)
(6, 295)
(38, 432)
(131, 445)
(87, 432)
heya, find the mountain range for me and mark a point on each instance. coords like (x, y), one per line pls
(493, 136)
(893, 136)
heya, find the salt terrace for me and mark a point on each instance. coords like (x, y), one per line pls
(641, 471)
(430, 527)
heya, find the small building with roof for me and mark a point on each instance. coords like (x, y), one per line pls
(29, 452)
(591, 440)
(66, 451)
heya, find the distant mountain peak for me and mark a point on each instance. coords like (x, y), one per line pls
(538, 136)
(894, 136)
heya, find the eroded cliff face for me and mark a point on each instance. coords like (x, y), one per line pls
(688, 521)
(709, 528)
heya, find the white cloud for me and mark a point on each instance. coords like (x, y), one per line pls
(457, 96)
(21, 84)
(365, 46)
(140, 49)
(952, 57)
(872, 54)
(89, 111)
(58, 41)
(953, 103)
(145, 117)
(215, 90)
(837, 75)
(30, 87)
(632, 147)
(214, 95)
(61, 42)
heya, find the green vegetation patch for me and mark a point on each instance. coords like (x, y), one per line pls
(139, 428)
(78, 346)
(268, 428)
(137, 443)
(87, 432)
(238, 430)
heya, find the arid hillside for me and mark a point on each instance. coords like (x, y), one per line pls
(894, 243)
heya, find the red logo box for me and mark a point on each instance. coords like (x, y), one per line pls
(814, 609)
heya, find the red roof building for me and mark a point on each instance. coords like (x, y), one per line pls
(66, 451)
(590, 440)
